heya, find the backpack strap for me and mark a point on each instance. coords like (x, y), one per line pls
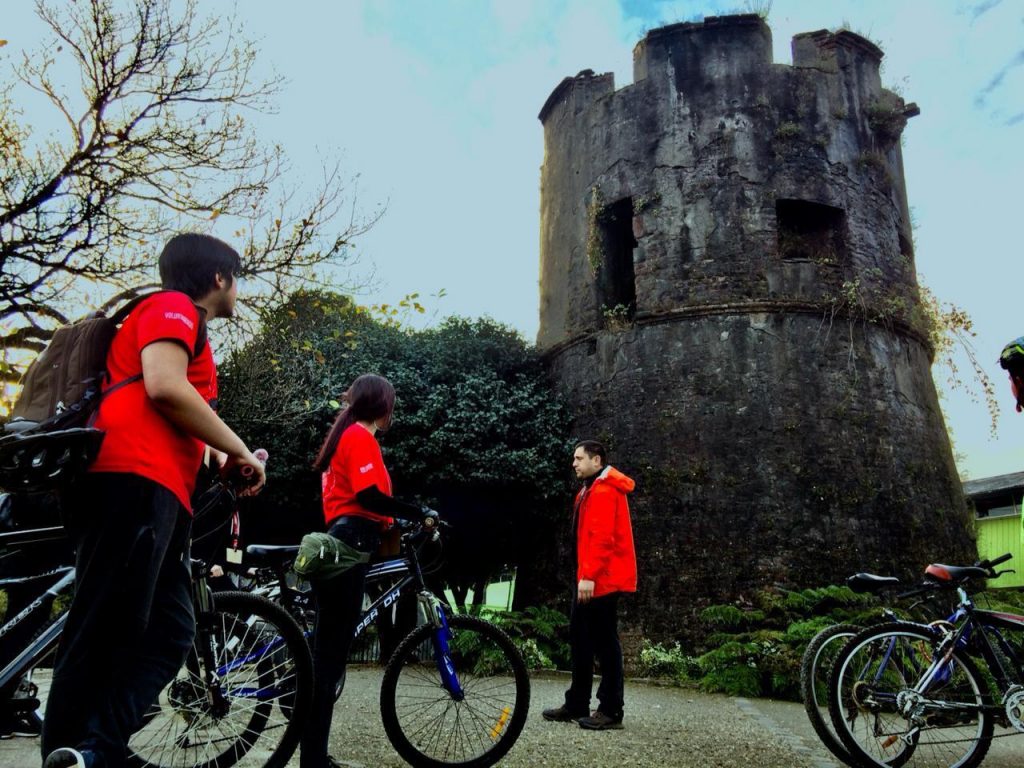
(119, 317)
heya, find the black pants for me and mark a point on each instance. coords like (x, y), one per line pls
(339, 602)
(131, 622)
(594, 633)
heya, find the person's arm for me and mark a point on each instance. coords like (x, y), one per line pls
(165, 376)
(375, 500)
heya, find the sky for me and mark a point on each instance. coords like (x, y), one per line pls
(434, 105)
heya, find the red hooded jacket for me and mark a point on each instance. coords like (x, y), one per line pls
(604, 534)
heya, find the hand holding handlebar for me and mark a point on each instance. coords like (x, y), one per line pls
(250, 470)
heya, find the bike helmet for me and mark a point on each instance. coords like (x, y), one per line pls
(46, 460)
(1012, 356)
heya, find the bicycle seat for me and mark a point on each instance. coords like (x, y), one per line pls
(869, 582)
(271, 554)
(954, 573)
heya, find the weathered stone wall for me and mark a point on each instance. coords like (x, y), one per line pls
(769, 387)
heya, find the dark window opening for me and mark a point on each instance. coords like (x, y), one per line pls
(1008, 510)
(810, 231)
(616, 279)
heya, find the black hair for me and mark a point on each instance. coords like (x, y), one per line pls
(190, 263)
(370, 397)
(592, 449)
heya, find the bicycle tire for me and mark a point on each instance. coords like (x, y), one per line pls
(815, 669)
(426, 725)
(883, 662)
(265, 682)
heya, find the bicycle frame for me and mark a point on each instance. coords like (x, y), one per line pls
(970, 634)
(433, 608)
(59, 580)
(408, 572)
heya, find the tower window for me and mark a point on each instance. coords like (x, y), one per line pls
(616, 279)
(810, 231)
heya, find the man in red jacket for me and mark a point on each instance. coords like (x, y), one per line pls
(605, 568)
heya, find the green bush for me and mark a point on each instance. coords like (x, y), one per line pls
(755, 649)
(478, 431)
(540, 634)
(670, 663)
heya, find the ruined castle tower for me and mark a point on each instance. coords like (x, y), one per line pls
(729, 298)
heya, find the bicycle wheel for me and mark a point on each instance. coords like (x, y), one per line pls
(252, 711)
(815, 668)
(883, 722)
(429, 726)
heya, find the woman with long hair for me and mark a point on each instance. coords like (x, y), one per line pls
(358, 507)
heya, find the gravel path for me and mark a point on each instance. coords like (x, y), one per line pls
(664, 728)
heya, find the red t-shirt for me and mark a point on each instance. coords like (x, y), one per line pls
(356, 465)
(139, 439)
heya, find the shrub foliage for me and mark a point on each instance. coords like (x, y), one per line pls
(478, 432)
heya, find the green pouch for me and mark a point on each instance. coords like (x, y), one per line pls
(321, 556)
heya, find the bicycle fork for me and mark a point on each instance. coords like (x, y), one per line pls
(203, 601)
(441, 638)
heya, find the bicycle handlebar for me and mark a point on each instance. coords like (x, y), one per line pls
(991, 564)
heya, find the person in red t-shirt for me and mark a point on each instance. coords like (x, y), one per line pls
(131, 621)
(358, 507)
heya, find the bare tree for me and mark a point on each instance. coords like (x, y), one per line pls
(153, 140)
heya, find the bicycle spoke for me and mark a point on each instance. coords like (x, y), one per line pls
(248, 701)
(893, 715)
(428, 723)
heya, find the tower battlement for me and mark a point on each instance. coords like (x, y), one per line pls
(716, 47)
(709, 111)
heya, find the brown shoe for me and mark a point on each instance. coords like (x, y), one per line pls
(599, 721)
(561, 714)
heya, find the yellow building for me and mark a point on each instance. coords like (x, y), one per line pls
(997, 506)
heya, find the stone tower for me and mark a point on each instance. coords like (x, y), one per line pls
(729, 299)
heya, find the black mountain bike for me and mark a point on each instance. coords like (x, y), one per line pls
(819, 658)
(456, 690)
(241, 696)
(930, 696)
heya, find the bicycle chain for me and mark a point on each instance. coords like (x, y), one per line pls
(960, 741)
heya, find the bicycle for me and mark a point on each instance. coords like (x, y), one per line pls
(817, 662)
(905, 694)
(819, 657)
(239, 699)
(456, 690)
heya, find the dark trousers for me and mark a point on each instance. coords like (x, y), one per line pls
(131, 622)
(339, 602)
(594, 633)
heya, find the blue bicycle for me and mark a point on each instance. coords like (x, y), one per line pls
(456, 690)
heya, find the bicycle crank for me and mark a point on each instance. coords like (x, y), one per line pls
(1014, 703)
